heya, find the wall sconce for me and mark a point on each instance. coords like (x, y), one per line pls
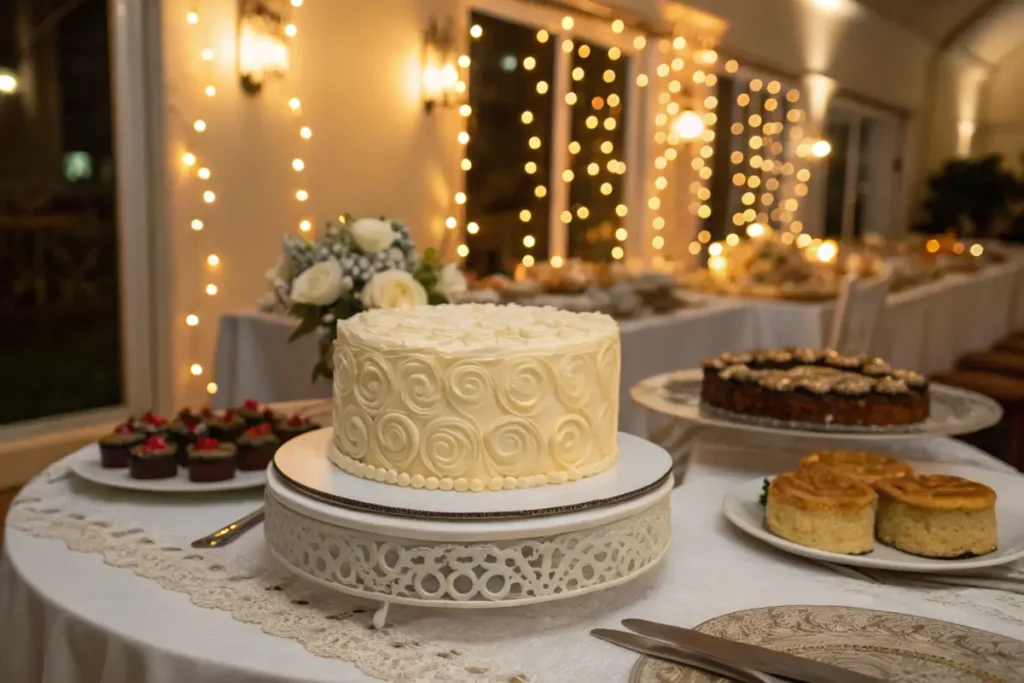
(440, 75)
(262, 47)
(8, 82)
(688, 126)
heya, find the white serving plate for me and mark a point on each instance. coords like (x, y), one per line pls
(952, 411)
(86, 464)
(741, 506)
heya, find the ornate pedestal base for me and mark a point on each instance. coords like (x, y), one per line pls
(470, 563)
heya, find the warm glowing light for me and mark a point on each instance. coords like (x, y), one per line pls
(621, 234)
(191, 320)
(568, 175)
(621, 210)
(609, 123)
(821, 148)
(540, 191)
(210, 91)
(639, 42)
(294, 104)
(305, 225)
(207, 54)
(196, 369)
(460, 198)
(641, 80)
(472, 228)
(542, 36)
(593, 168)
(450, 222)
(654, 203)
(466, 164)
(211, 387)
(542, 87)
(192, 18)
(570, 98)
(212, 260)
(567, 23)
(827, 251)
(462, 251)
(574, 147)
(803, 240)
(465, 110)
(464, 61)
(209, 197)
(932, 246)
(688, 126)
(694, 248)
(606, 188)
(658, 242)
(705, 172)
(529, 63)
(582, 212)
(715, 249)
(661, 182)
(755, 230)
(197, 224)
(567, 45)
(528, 260)
(203, 173)
(618, 26)
(211, 289)
(704, 211)
(301, 195)
(977, 250)
(557, 261)
(534, 142)
(188, 158)
(671, 154)
(305, 133)
(608, 76)
(525, 215)
(475, 31)
(658, 222)
(732, 239)
(298, 164)
(614, 53)
(529, 241)
(291, 30)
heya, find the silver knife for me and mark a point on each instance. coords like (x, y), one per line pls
(752, 656)
(229, 533)
(671, 653)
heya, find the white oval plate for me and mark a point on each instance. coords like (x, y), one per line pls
(86, 464)
(953, 411)
(741, 506)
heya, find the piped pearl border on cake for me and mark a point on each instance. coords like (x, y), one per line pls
(462, 484)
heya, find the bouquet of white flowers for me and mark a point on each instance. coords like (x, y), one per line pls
(357, 264)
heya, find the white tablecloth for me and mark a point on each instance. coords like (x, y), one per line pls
(255, 360)
(925, 328)
(67, 617)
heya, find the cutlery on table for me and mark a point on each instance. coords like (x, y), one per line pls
(753, 657)
(229, 533)
(1008, 583)
(671, 653)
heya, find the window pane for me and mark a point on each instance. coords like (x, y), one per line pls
(58, 233)
(509, 176)
(838, 133)
(598, 90)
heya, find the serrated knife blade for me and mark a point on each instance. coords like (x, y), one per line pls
(750, 656)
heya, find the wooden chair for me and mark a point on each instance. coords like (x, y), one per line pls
(1008, 390)
(859, 305)
(1000, 362)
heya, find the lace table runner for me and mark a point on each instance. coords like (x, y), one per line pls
(711, 570)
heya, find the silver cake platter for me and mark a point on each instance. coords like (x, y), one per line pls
(467, 550)
(952, 411)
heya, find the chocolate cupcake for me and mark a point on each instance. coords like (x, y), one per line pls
(211, 460)
(115, 447)
(293, 427)
(253, 413)
(184, 433)
(151, 424)
(256, 447)
(187, 416)
(227, 426)
(153, 459)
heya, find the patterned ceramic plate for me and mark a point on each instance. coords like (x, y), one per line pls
(953, 411)
(894, 647)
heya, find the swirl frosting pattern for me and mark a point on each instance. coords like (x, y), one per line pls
(476, 397)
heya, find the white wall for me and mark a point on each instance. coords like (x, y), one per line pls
(1001, 129)
(356, 69)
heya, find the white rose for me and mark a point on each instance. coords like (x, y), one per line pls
(393, 289)
(451, 282)
(372, 235)
(320, 285)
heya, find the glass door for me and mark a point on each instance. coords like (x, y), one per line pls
(73, 211)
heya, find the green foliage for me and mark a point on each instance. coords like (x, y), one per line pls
(972, 197)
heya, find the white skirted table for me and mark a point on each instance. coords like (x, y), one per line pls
(924, 328)
(255, 360)
(99, 585)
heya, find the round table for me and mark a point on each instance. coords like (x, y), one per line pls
(66, 616)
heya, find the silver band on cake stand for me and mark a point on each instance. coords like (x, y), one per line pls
(952, 411)
(474, 550)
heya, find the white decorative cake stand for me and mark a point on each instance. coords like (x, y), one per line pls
(469, 550)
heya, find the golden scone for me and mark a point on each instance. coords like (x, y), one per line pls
(820, 509)
(864, 466)
(937, 515)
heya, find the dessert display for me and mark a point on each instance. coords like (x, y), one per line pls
(289, 428)
(815, 386)
(822, 509)
(256, 447)
(863, 466)
(226, 426)
(150, 424)
(153, 459)
(184, 432)
(937, 515)
(116, 446)
(475, 397)
(211, 460)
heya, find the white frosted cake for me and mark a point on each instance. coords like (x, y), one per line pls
(475, 397)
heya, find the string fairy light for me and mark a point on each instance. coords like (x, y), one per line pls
(190, 160)
(465, 164)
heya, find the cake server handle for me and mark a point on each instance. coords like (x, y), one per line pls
(229, 533)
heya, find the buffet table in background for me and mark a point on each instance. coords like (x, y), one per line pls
(924, 328)
(254, 358)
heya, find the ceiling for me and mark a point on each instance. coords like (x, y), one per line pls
(936, 20)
